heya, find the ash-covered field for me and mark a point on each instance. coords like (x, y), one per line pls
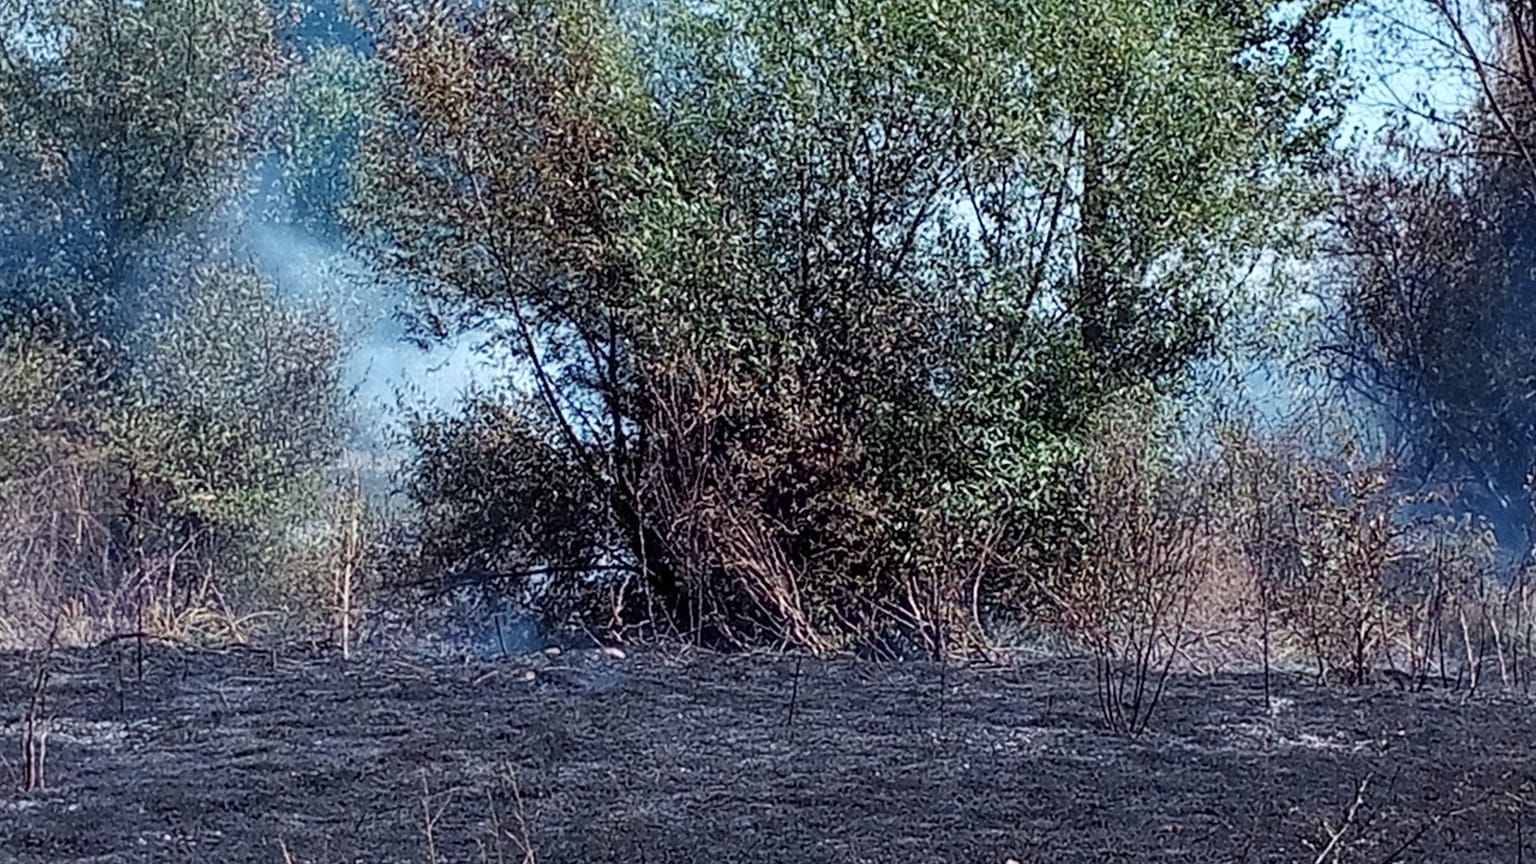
(261, 756)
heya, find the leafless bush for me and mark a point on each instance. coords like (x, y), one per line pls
(1263, 521)
(1442, 592)
(1352, 571)
(1337, 600)
(351, 551)
(329, 576)
(70, 557)
(34, 734)
(709, 516)
(1468, 619)
(65, 556)
(1519, 609)
(1320, 528)
(1138, 567)
(783, 535)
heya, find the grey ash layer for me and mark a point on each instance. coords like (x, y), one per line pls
(248, 756)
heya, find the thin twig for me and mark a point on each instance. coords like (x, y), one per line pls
(1349, 821)
(427, 821)
(794, 698)
(523, 839)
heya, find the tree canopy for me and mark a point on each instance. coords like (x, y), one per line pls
(814, 300)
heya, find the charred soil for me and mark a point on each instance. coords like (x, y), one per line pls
(274, 756)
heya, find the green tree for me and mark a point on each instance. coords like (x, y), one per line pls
(120, 124)
(191, 403)
(817, 298)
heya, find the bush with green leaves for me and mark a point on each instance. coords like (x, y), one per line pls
(159, 399)
(809, 304)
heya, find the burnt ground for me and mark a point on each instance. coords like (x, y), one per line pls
(256, 756)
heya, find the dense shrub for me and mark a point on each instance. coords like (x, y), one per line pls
(162, 406)
(810, 308)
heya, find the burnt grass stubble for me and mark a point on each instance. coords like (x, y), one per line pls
(274, 756)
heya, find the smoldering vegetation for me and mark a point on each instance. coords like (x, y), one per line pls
(865, 329)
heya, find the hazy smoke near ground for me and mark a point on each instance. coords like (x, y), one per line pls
(382, 365)
(1433, 338)
(1433, 335)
